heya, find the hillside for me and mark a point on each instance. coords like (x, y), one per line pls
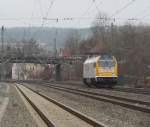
(44, 36)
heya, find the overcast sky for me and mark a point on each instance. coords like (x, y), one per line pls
(30, 12)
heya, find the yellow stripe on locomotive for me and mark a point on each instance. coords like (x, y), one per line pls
(110, 69)
(100, 69)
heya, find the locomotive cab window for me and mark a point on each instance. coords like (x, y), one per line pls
(107, 63)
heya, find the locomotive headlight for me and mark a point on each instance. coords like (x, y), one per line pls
(113, 70)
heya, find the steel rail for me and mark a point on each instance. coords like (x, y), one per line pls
(144, 91)
(104, 95)
(121, 89)
(125, 102)
(42, 116)
(76, 113)
(133, 90)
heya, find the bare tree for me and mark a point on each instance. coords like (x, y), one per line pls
(72, 42)
(100, 26)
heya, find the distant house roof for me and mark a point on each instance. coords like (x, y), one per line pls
(64, 52)
(99, 48)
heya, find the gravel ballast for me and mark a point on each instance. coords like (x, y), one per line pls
(108, 92)
(109, 114)
(16, 114)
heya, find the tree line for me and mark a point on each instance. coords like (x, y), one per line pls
(130, 44)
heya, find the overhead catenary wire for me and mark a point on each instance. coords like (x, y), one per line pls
(41, 8)
(122, 9)
(87, 10)
(45, 17)
(30, 24)
(96, 6)
(32, 15)
(91, 18)
(56, 19)
(143, 11)
(89, 7)
(43, 21)
(77, 24)
(50, 7)
(97, 18)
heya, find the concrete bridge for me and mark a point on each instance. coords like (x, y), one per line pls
(39, 59)
(58, 61)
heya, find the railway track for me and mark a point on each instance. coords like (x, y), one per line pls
(133, 90)
(121, 89)
(117, 88)
(124, 89)
(122, 101)
(56, 109)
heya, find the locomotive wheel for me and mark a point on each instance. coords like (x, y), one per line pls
(98, 85)
(110, 86)
(93, 82)
(86, 82)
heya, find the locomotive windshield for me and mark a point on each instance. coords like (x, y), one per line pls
(106, 57)
(107, 63)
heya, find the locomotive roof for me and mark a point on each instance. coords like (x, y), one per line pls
(92, 59)
(96, 58)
